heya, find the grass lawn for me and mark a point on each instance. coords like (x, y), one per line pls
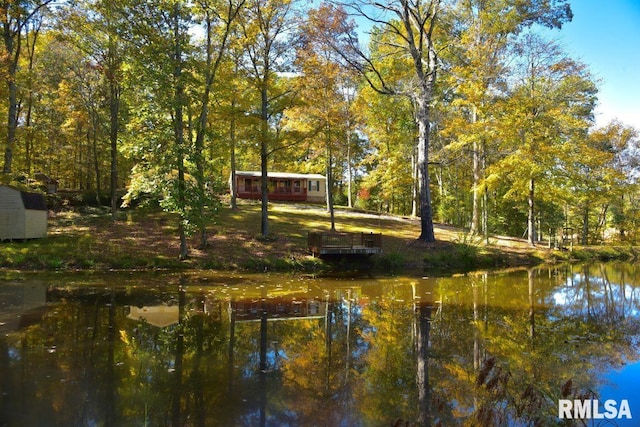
(148, 240)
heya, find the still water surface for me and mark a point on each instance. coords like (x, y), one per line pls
(207, 349)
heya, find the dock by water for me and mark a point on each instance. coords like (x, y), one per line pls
(334, 243)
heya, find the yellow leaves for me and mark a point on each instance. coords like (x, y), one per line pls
(492, 181)
(457, 371)
(124, 337)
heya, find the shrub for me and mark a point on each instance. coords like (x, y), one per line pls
(391, 262)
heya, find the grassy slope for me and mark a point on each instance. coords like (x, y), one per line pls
(148, 240)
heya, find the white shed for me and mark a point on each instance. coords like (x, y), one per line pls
(157, 315)
(23, 215)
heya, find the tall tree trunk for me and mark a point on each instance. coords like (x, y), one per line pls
(531, 222)
(184, 253)
(262, 375)
(423, 313)
(200, 179)
(532, 304)
(96, 159)
(585, 225)
(110, 397)
(475, 212)
(264, 157)
(232, 345)
(12, 41)
(114, 107)
(113, 76)
(200, 132)
(12, 119)
(415, 193)
(329, 189)
(232, 140)
(426, 214)
(176, 391)
(114, 127)
(349, 171)
(485, 199)
(179, 131)
(29, 137)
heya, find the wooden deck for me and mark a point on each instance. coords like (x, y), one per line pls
(333, 243)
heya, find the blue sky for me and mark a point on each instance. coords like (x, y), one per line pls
(605, 35)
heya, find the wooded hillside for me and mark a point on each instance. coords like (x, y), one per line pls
(455, 111)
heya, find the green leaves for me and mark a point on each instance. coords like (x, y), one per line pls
(173, 87)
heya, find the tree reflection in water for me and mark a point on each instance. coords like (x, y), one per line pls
(277, 350)
(423, 316)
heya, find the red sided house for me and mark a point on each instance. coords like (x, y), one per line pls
(295, 187)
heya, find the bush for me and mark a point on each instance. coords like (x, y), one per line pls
(391, 262)
(466, 256)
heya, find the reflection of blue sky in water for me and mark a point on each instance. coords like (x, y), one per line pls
(573, 296)
(623, 384)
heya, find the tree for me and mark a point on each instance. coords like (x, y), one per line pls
(95, 27)
(597, 178)
(15, 17)
(390, 127)
(268, 28)
(31, 39)
(232, 119)
(217, 18)
(326, 114)
(390, 160)
(160, 32)
(549, 106)
(625, 210)
(82, 88)
(67, 116)
(413, 24)
(176, 25)
(485, 31)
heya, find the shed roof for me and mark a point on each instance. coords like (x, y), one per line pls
(258, 174)
(157, 315)
(45, 178)
(30, 200)
(33, 201)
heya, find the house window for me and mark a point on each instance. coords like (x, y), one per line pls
(283, 186)
(296, 186)
(314, 185)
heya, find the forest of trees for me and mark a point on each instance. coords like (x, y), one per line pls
(459, 112)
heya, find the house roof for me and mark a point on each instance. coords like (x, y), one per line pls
(258, 174)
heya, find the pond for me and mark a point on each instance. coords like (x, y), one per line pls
(208, 349)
